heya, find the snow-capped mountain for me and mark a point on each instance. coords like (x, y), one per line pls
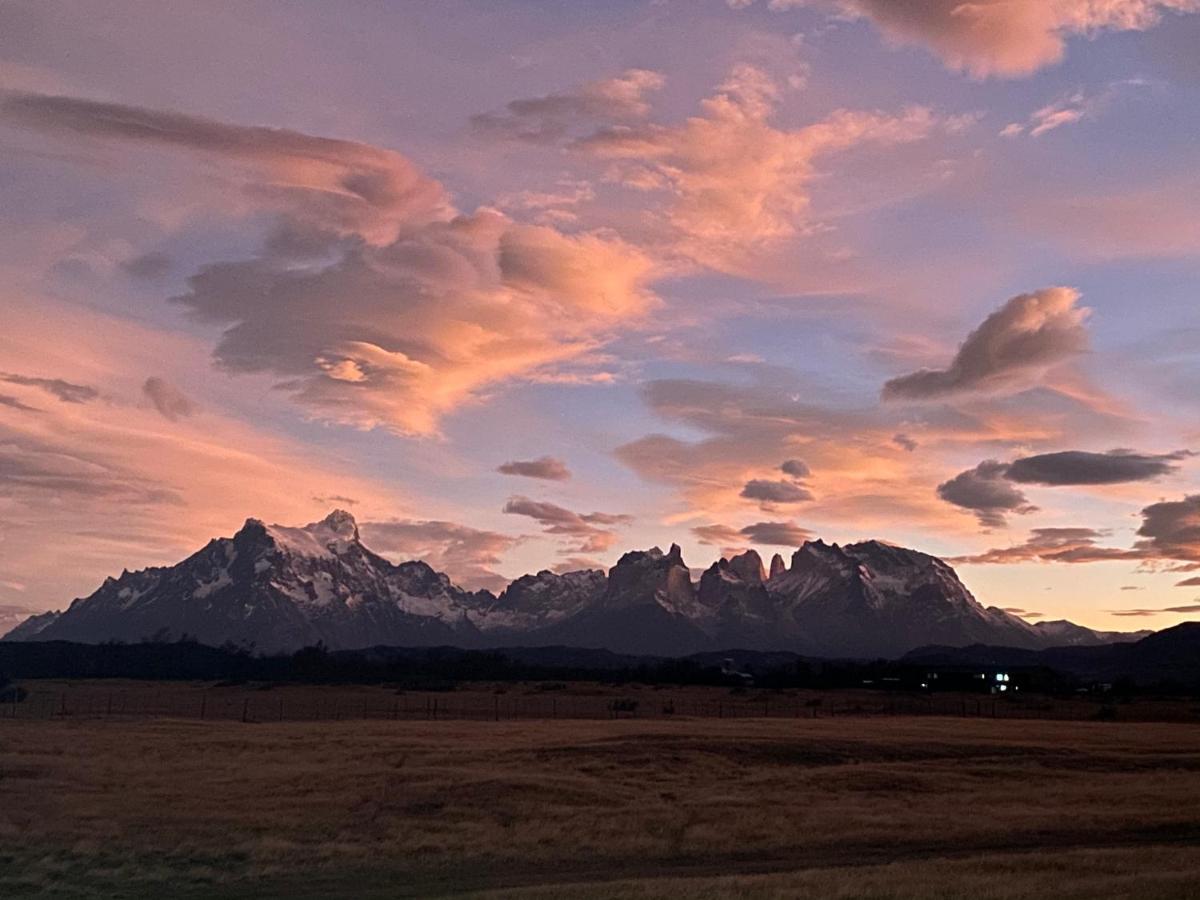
(277, 588)
(1061, 633)
(872, 599)
(280, 588)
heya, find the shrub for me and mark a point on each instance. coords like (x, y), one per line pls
(11, 693)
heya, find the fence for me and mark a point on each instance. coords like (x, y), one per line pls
(325, 703)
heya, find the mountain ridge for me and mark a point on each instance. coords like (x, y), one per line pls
(281, 587)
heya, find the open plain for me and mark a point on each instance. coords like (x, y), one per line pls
(870, 807)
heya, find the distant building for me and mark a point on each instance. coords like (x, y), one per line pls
(979, 679)
(729, 670)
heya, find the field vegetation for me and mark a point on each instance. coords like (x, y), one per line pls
(878, 807)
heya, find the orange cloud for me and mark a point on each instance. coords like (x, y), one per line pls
(1005, 38)
(402, 310)
(734, 180)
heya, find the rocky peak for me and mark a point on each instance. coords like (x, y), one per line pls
(650, 576)
(818, 554)
(881, 555)
(549, 592)
(334, 535)
(778, 566)
(748, 567)
(342, 524)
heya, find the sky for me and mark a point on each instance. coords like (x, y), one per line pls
(525, 285)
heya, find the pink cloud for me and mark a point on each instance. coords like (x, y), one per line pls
(405, 309)
(1004, 38)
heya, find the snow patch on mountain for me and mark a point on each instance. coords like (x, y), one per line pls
(281, 587)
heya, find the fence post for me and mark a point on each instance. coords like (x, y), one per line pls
(203, 705)
(245, 709)
(496, 709)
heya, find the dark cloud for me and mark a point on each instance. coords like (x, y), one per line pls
(546, 467)
(63, 390)
(718, 535)
(1070, 467)
(988, 491)
(776, 534)
(551, 117)
(148, 265)
(171, 402)
(593, 529)
(1024, 613)
(904, 442)
(797, 468)
(1013, 346)
(733, 540)
(1194, 581)
(335, 500)
(985, 492)
(1191, 608)
(14, 403)
(1171, 529)
(1066, 545)
(775, 492)
(468, 555)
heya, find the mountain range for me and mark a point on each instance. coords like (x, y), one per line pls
(279, 588)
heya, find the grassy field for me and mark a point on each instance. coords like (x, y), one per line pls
(853, 807)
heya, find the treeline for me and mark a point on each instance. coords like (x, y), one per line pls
(434, 668)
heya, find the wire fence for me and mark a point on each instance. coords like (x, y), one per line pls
(325, 703)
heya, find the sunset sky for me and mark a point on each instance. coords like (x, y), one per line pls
(528, 284)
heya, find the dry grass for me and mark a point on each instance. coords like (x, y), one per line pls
(702, 808)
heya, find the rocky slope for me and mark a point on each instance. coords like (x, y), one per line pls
(280, 588)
